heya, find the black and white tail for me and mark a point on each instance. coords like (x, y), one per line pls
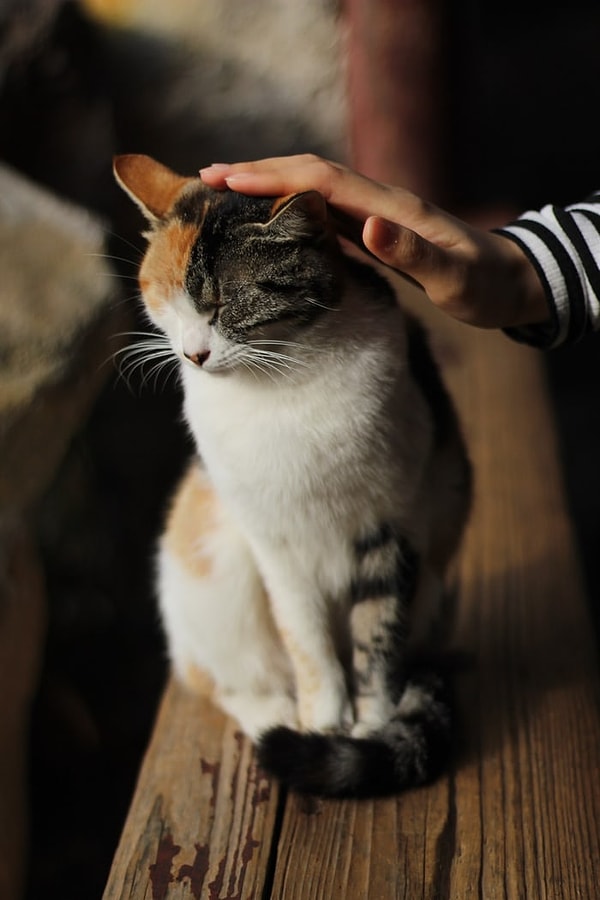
(410, 750)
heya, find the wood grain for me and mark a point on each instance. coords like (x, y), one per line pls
(202, 816)
(518, 814)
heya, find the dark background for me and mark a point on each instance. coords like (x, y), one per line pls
(522, 129)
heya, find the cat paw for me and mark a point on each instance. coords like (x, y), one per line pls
(326, 711)
(257, 713)
(372, 713)
(363, 729)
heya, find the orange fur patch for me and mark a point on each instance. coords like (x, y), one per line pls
(163, 270)
(279, 202)
(154, 187)
(193, 516)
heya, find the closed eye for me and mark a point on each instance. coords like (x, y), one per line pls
(299, 317)
(277, 287)
(208, 309)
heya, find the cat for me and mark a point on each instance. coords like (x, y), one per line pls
(330, 489)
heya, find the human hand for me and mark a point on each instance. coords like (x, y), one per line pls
(475, 276)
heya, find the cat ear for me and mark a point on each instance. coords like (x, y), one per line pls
(299, 216)
(154, 187)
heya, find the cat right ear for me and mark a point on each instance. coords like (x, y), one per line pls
(299, 215)
(154, 187)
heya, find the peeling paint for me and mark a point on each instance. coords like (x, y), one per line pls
(161, 874)
(197, 871)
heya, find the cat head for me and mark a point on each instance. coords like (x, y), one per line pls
(231, 280)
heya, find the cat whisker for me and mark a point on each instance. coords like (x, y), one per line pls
(139, 252)
(274, 354)
(270, 363)
(151, 335)
(270, 342)
(129, 366)
(155, 351)
(254, 359)
(170, 365)
(318, 303)
(249, 368)
(140, 346)
(120, 276)
(128, 299)
(153, 374)
(291, 344)
(152, 340)
(282, 358)
(266, 370)
(113, 258)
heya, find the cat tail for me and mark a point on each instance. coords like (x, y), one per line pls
(410, 750)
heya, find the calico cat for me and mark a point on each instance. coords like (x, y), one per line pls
(330, 489)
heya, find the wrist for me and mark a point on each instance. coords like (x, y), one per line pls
(531, 305)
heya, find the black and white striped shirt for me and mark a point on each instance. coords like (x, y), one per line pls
(564, 246)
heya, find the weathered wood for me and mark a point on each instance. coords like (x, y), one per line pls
(519, 813)
(202, 818)
(529, 704)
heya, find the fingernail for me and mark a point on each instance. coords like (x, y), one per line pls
(381, 235)
(387, 234)
(239, 178)
(214, 167)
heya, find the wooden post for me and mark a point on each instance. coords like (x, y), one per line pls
(395, 75)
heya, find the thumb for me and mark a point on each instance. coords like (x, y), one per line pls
(405, 250)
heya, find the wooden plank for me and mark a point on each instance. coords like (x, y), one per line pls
(533, 743)
(366, 849)
(519, 814)
(202, 819)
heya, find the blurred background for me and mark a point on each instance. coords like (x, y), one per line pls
(486, 109)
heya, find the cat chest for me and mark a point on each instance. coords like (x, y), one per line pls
(284, 450)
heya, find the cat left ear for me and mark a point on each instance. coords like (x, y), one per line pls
(299, 216)
(154, 187)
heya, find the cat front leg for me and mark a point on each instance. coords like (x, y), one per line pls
(385, 584)
(323, 699)
(304, 621)
(221, 637)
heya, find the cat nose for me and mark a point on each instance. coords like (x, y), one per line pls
(198, 358)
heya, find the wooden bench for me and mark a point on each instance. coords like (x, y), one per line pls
(518, 813)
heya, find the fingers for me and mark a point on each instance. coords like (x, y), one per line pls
(276, 175)
(405, 250)
(353, 193)
(291, 173)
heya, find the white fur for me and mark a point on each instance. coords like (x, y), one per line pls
(221, 624)
(303, 464)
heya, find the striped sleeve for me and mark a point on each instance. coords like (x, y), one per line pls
(563, 244)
